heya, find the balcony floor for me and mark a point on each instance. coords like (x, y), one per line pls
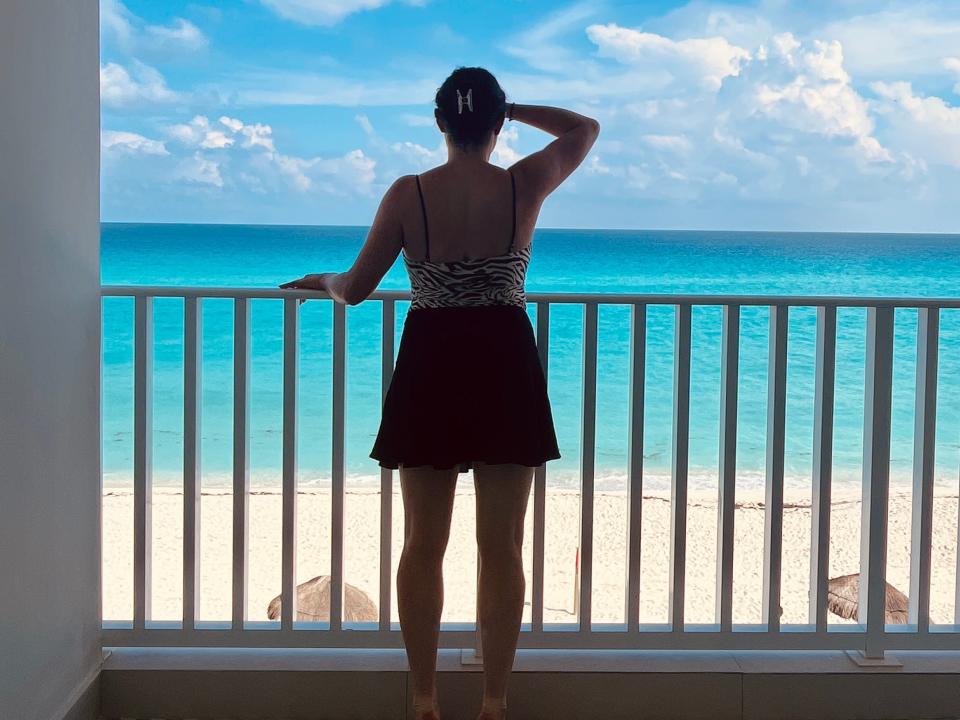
(554, 685)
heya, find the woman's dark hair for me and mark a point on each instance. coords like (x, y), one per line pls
(470, 129)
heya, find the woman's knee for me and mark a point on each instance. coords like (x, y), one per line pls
(424, 546)
(504, 548)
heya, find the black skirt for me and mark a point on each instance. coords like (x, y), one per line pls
(467, 386)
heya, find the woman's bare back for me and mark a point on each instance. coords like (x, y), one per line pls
(469, 213)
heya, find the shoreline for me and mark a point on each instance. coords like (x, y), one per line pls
(750, 497)
(604, 480)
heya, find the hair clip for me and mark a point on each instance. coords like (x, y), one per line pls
(461, 99)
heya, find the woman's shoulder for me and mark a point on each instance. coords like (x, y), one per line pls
(401, 188)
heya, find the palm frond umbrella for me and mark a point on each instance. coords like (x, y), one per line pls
(313, 603)
(843, 599)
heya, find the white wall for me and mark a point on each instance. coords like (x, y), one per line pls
(49, 353)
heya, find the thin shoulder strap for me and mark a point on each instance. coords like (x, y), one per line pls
(513, 191)
(423, 208)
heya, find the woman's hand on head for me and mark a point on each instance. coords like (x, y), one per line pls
(314, 281)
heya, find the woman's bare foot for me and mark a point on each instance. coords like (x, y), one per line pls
(425, 708)
(492, 714)
(493, 710)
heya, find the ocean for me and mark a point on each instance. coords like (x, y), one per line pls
(602, 261)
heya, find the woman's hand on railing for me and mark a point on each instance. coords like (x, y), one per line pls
(314, 281)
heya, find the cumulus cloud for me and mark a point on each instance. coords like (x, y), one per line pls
(257, 135)
(808, 89)
(759, 123)
(505, 152)
(927, 125)
(352, 172)
(229, 155)
(200, 169)
(251, 147)
(415, 156)
(324, 12)
(131, 143)
(706, 104)
(141, 85)
(198, 132)
(710, 60)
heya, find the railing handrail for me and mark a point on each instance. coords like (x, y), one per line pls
(184, 291)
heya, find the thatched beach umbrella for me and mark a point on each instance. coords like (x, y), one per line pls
(843, 599)
(313, 603)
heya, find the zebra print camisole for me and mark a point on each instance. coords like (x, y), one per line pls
(493, 280)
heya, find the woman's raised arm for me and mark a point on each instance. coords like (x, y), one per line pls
(543, 171)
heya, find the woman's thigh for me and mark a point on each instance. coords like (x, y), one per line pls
(503, 492)
(427, 506)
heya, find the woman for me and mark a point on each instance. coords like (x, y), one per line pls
(468, 391)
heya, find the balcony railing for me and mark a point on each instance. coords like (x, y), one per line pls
(869, 634)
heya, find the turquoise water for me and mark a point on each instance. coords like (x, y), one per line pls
(603, 261)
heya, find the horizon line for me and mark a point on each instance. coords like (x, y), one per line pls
(567, 229)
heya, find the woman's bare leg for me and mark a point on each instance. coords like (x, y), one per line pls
(427, 508)
(502, 495)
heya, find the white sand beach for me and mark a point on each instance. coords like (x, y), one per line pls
(362, 520)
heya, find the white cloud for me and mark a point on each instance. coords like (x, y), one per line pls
(364, 122)
(245, 153)
(731, 144)
(352, 172)
(905, 40)
(670, 143)
(199, 133)
(926, 126)
(710, 59)
(131, 143)
(132, 34)
(779, 119)
(121, 88)
(417, 156)
(254, 136)
(418, 120)
(232, 123)
(200, 169)
(117, 21)
(953, 64)
(807, 90)
(182, 34)
(539, 46)
(324, 12)
(709, 102)
(596, 166)
(504, 152)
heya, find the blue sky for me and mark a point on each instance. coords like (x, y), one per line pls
(769, 114)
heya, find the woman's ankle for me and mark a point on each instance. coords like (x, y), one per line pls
(494, 706)
(425, 703)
